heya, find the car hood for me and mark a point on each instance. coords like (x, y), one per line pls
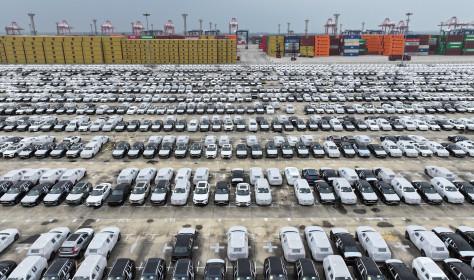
(178, 196)
(115, 198)
(370, 196)
(327, 196)
(221, 197)
(29, 198)
(8, 197)
(51, 197)
(158, 196)
(242, 198)
(137, 196)
(433, 196)
(200, 196)
(74, 196)
(117, 152)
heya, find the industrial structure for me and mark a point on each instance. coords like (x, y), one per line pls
(13, 29)
(64, 28)
(169, 28)
(233, 26)
(137, 28)
(107, 28)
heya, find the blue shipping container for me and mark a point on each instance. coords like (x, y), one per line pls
(423, 50)
(350, 54)
(351, 47)
(351, 36)
(412, 36)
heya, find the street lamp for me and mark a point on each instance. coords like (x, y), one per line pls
(404, 37)
(146, 16)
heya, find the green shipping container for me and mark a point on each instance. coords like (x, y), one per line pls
(362, 50)
(147, 37)
(362, 41)
(454, 47)
(468, 36)
(467, 50)
(468, 39)
(454, 43)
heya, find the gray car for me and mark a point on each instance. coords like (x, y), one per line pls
(75, 245)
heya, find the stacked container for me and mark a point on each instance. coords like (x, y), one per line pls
(72, 47)
(322, 45)
(307, 46)
(433, 44)
(14, 49)
(454, 44)
(393, 44)
(3, 55)
(34, 52)
(441, 44)
(350, 45)
(412, 44)
(202, 50)
(145, 49)
(231, 51)
(92, 50)
(183, 51)
(154, 51)
(424, 47)
(193, 52)
(275, 43)
(362, 46)
(468, 46)
(112, 47)
(164, 51)
(292, 45)
(333, 46)
(263, 45)
(222, 51)
(53, 50)
(174, 51)
(212, 51)
(373, 43)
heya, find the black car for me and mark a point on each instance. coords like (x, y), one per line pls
(324, 191)
(222, 190)
(61, 269)
(301, 150)
(121, 150)
(457, 138)
(390, 138)
(366, 174)
(60, 150)
(136, 150)
(244, 269)
(237, 176)
(360, 125)
(181, 151)
(28, 152)
(61, 125)
(184, 270)
(123, 269)
(215, 269)
(6, 267)
(384, 191)
(276, 126)
(457, 270)
(305, 269)
(150, 150)
(457, 246)
(346, 150)
(4, 186)
(184, 244)
(366, 269)
(467, 233)
(36, 194)
(44, 150)
(79, 193)
(427, 192)
(274, 268)
(287, 150)
(397, 270)
(467, 189)
(241, 151)
(157, 125)
(310, 175)
(328, 174)
(362, 187)
(334, 138)
(16, 192)
(271, 150)
(317, 150)
(345, 245)
(121, 126)
(119, 195)
(312, 125)
(133, 126)
(165, 151)
(445, 125)
(377, 150)
(154, 269)
(161, 192)
(61, 190)
(145, 126)
(454, 150)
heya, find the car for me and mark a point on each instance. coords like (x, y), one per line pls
(364, 191)
(318, 242)
(373, 243)
(241, 151)
(226, 151)
(6, 268)
(184, 269)
(98, 195)
(184, 244)
(317, 150)
(215, 269)
(155, 268)
(467, 233)
(324, 191)
(310, 175)
(121, 149)
(263, 194)
(331, 149)
(345, 244)
(237, 243)
(201, 193)
(211, 151)
(303, 193)
(181, 192)
(242, 194)
(377, 150)
(447, 190)
(57, 193)
(427, 242)
(328, 174)
(437, 171)
(397, 270)
(237, 176)
(139, 193)
(365, 268)
(8, 236)
(161, 192)
(79, 193)
(75, 150)
(124, 269)
(467, 189)
(344, 191)
(457, 270)
(457, 246)
(274, 268)
(386, 192)
(222, 192)
(426, 269)
(75, 245)
(119, 194)
(405, 191)
(454, 150)
(427, 192)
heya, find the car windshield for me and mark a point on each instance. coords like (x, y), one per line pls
(351, 248)
(263, 190)
(423, 147)
(88, 148)
(469, 189)
(305, 190)
(278, 277)
(97, 192)
(56, 190)
(201, 190)
(332, 148)
(77, 190)
(451, 189)
(408, 189)
(150, 277)
(160, 190)
(408, 147)
(325, 189)
(180, 278)
(429, 189)
(179, 190)
(346, 189)
(81, 278)
(222, 191)
(150, 147)
(378, 276)
(180, 249)
(366, 189)
(393, 147)
(135, 147)
(117, 192)
(439, 278)
(34, 193)
(139, 190)
(211, 148)
(242, 192)
(226, 148)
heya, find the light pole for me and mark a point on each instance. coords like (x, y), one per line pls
(33, 28)
(92, 31)
(306, 27)
(404, 37)
(133, 30)
(278, 29)
(95, 26)
(336, 20)
(200, 26)
(57, 28)
(185, 26)
(146, 15)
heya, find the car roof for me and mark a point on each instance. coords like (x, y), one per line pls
(276, 265)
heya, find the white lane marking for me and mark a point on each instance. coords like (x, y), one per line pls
(401, 246)
(269, 247)
(134, 245)
(217, 247)
(166, 247)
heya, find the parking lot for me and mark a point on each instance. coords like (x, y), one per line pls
(149, 231)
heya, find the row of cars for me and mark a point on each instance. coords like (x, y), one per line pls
(30, 187)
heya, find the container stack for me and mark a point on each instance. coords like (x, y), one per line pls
(372, 43)
(275, 43)
(164, 51)
(202, 47)
(112, 47)
(231, 51)
(424, 47)
(3, 55)
(322, 45)
(468, 46)
(412, 44)
(174, 51)
(263, 45)
(72, 47)
(183, 47)
(333, 46)
(53, 50)
(393, 44)
(92, 50)
(350, 45)
(441, 45)
(212, 51)
(433, 44)
(292, 45)
(307, 46)
(222, 51)
(34, 51)
(362, 46)
(154, 51)
(14, 49)
(454, 44)
(193, 52)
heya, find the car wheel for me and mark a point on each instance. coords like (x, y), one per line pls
(108, 255)
(16, 237)
(119, 237)
(445, 199)
(52, 255)
(423, 254)
(406, 235)
(414, 272)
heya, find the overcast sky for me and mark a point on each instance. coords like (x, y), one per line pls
(254, 15)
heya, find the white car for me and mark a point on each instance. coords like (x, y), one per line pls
(418, 139)
(437, 171)
(242, 194)
(423, 150)
(98, 195)
(407, 148)
(237, 243)
(344, 191)
(331, 149)
(405, 191)
(467, 147)
(201, 193)
(289, 109)
(303, 192)
(263, 195)
(226, 151)
(7, 237)
(372, 125)
(211, 151)
(181, 192)
(391, 148)
(425, 268)
(437, 149)
(318, 242)
(140, 192)
(447, 190)
(421, 125)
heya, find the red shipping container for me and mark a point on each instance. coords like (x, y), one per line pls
(468, 53)
(176, 36)
(453, 51)
(162, 36)
(455, 38)
(468, 45)
(412, 40)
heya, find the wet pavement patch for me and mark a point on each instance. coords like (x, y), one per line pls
(327, 224)
(52, 221)
(87, 223)
(199, 227)
(360, 211)
(302, 227)
(384, 224)
(339, 207)
(375, 210)
(152, 162)
(149, 221)
(29, 240)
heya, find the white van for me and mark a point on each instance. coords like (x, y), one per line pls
(127, 176)
(335, 268)
(31, 268)
(318, 242)
(291, 243)
(255, 173)
(49, 243)
(146, 175)
(373, 243)
(292, 174)
(201, 174)
(92, 268)
(349, 174)
(52, 176)
(73, 175)
(344, 191)
(426, 269)
(103, 242)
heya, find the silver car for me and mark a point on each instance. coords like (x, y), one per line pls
(75, 245)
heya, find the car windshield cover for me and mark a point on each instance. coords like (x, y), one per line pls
(277, 277)
(222, 191)
(408, 189)
(201, 190)
(115, 278)
(242, 192)
(180, 249)
(179, 190)
(148, 277)
(117, 192)
(372, 277)
(367, 189)
(97, 192)
(351, 248)
(263, 190)
(139, 190)
(77, 190)
(160, 190)
(332, 148)
(56, 190)
(429, 189)
(34, 193)
(346, 189)
(211, 148)
(451, 189)
(305, 190)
